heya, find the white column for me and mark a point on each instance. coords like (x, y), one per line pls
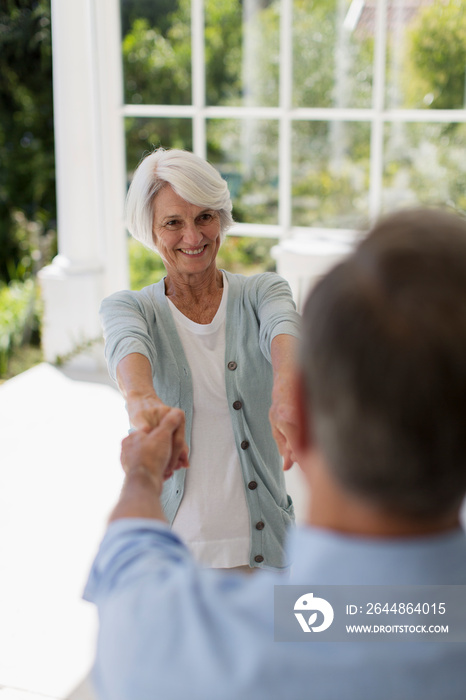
(89, 157)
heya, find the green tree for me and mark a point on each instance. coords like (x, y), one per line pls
(156, 12)
(438, 54)
(27, 174)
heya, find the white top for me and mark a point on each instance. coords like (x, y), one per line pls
(213, 517)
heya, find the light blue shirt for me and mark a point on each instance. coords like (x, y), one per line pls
(259, 308)
(174, 631)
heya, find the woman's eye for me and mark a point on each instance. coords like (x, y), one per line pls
(174, 223)
(206, 218)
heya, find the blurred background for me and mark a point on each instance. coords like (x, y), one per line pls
(320, 115)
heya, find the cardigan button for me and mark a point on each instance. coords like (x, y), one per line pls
(237, 405)
(232, 365)
(244, 445)
(252, 485)
(259, 558)
(260, 525)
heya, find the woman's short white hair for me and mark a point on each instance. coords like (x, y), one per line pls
(191, 177)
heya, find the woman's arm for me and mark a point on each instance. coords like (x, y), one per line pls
(282, 414)
(145, 408)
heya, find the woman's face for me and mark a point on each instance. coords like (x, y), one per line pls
(187, 236)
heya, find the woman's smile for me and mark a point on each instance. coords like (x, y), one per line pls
(191, 251)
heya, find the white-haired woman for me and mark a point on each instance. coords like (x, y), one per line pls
(221, 347)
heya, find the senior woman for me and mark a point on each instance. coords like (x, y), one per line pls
(221, 347)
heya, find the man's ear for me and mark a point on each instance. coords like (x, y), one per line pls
(303, 435)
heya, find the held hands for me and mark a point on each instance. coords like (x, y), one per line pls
(146, 412)
(152, 449)
(147, 459)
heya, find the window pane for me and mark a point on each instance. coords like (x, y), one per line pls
(332, 55)
(242, 52)
(426, 55)
(143, 135)
(426, 164)
(330, 173)
(247, 255)
(246, 153)
(156, 51)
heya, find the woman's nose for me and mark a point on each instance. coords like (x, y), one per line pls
(191, 233)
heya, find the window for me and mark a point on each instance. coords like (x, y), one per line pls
(319, 114)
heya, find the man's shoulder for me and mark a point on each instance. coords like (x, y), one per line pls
(334, 558)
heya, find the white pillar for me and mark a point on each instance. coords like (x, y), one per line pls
(89, 157)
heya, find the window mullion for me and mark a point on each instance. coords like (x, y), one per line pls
(286, 83)
(198, 77)
(377, 131)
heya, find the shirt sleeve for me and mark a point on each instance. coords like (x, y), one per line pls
(124, 318)
(169, 628)
(276, 311)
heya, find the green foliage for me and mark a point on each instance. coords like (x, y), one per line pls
(145, 266)
(157, 70)
(155, 12)
(19, 317)
(438, 53)
(27, 177)
(431, 168)
(246, 255)
(223, 51)
(157, 67)
(331, 67)
(77, 350)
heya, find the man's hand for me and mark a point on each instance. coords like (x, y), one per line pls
(153, 448)
(147, 412)
(147, 459)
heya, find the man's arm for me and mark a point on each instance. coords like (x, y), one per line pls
(146, 457)
(282, 414)
(154, 601)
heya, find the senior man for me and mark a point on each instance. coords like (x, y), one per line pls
(381, 403)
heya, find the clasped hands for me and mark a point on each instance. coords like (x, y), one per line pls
(158, 444)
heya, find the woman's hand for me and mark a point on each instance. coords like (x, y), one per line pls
(283, 418)
(283, 411)
(147, 411)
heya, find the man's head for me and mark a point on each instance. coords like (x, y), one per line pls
(384, 365)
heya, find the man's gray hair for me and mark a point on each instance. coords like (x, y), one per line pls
(190, 176)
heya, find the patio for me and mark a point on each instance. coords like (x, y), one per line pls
(59, 478)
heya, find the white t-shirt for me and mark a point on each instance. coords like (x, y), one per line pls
(213, 517)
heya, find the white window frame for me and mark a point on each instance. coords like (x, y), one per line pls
(377, 116)
(89, 149)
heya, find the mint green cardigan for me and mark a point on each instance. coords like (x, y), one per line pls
(259, 308)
